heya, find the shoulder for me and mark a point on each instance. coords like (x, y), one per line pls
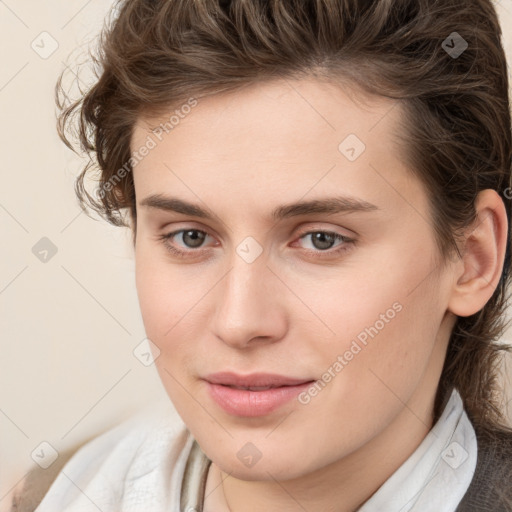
(491, 486)
(104, 466)
(30, 491)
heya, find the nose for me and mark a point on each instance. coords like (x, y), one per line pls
(250, 305)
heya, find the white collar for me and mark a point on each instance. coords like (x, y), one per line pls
(438, 473)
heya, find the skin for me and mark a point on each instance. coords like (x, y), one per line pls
(300, 304)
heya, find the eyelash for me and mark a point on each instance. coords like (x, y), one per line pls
(165, 238)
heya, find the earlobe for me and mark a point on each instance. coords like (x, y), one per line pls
(483, 255)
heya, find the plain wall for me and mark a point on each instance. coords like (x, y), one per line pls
(69, 325)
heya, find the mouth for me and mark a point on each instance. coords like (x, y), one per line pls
(254, 381)
(252, 388)
(256, 398)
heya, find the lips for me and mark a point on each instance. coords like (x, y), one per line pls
(253, 388)
(258, 394)
(254, 381)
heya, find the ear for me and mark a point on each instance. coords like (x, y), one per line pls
(483, 254)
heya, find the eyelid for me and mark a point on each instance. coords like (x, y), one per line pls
(316, 228)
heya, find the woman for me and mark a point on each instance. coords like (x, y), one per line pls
(319, 197)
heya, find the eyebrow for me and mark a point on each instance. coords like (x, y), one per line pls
(328, 205)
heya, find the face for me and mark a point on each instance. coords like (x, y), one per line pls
(341, 290)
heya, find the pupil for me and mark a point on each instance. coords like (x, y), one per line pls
(196, 240)
(321, 237)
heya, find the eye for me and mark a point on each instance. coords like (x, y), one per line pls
(323, 241)
(192, 241)
(190, 238)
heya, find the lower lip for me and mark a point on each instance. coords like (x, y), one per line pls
(241, 402)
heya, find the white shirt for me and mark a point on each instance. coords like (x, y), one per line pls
(139, 466)
(438, 473)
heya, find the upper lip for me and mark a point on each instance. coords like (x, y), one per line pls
(254, 379)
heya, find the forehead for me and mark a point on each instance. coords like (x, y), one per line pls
(284, 110)
(283, 137)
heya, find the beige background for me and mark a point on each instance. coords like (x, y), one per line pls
(69, 325)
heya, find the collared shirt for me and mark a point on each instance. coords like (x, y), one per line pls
(152, 463)
(438, 473)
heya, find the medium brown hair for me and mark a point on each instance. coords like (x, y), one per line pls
(456, 135)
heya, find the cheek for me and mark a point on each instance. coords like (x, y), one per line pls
(163, 305)
(385, 326)
(160, 288)
(155, 305)
(172, 304)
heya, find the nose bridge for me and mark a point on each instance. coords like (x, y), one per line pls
(247, 302)
(244, 290)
